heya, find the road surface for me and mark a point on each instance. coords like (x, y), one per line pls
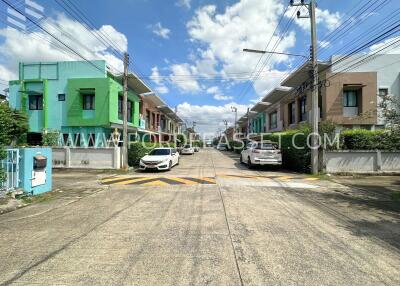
(210, 221)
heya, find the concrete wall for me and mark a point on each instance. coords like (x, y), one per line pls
(361, 161)
(87, 158)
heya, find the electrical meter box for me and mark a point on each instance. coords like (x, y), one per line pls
(35, 170)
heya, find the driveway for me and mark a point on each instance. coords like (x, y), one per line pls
(243, 227)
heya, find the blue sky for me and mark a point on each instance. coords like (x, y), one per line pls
(189, 51)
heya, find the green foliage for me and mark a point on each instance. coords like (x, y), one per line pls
(360, 139)
(13, 125)
(13, 128)
(197, 143)
(139, 149)
(50, 138)
(296, 155)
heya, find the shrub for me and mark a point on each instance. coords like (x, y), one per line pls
(50, 138)
(296, 155)
(360, 139)
(13, 128)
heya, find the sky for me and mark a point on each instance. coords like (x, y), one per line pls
(189, 51)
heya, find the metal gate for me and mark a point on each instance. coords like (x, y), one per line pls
(10, 165)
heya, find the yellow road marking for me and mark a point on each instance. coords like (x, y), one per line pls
(184, 181)
(311, 179)
(127, 182)
(210, 180)
(155, 183)
(283, 178)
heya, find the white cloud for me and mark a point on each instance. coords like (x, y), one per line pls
(210, 117)
(222, 97)
(38, 46)
(222, 37)
(213, 90)
(324, 44)
(394, 47)
(160, 31)
(162, 89)
(184, 3)
(330, 20)
(159, 82)
(182, 78)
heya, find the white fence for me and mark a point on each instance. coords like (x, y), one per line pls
(87, 158)
(354, 161)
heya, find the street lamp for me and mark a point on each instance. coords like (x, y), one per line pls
(278, 53)
(234, 109)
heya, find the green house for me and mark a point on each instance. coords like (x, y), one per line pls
(81, 100)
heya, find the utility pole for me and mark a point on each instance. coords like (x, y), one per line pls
(226, 124)
(125, 114)
(248, 122)
(234, 109)
(314, 76)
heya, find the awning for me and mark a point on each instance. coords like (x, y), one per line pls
(260, 106)
(135, 83)
(276, 94)
(163, 107)
(302, 74)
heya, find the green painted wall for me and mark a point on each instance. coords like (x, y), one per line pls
(116, 89)
(76, 116)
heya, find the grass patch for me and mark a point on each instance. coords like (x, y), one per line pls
(396, 196)
(26, 199)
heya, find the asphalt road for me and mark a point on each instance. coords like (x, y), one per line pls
(253, 227)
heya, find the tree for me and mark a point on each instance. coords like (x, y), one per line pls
(390, 106)
(13, 127)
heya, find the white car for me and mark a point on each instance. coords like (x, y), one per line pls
(196, 149)
(160, 159)
(187, 149)
(222, 147)
(257, 153)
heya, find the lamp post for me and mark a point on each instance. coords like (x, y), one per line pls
(234, 109)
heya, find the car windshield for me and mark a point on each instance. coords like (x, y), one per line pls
(160, 152)
(265, 146)
(188, 146)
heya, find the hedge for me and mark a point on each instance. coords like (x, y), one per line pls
(360, 139)
(139, 149)
(294, 158)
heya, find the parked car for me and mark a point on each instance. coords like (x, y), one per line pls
(160, 159)
(222, 147)
(187, 149)
(257, 153)
(196, 149)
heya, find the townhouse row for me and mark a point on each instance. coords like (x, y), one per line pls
(84, 99)
(349, 95)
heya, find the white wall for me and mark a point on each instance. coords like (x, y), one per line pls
(386, 66)
(361, 161)
(87, 158)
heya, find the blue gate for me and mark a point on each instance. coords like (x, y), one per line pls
(10, 165)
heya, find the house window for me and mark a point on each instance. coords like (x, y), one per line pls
(383, 92)
(120, 107)
(350, 98)
(36, 102)
(88, 102)
(303, 108)
(292, 113)
(273, 120)
(61, 97)
(129, 107)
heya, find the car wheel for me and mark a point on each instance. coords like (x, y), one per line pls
(249, 164)
(241, 159)
(170, 165)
